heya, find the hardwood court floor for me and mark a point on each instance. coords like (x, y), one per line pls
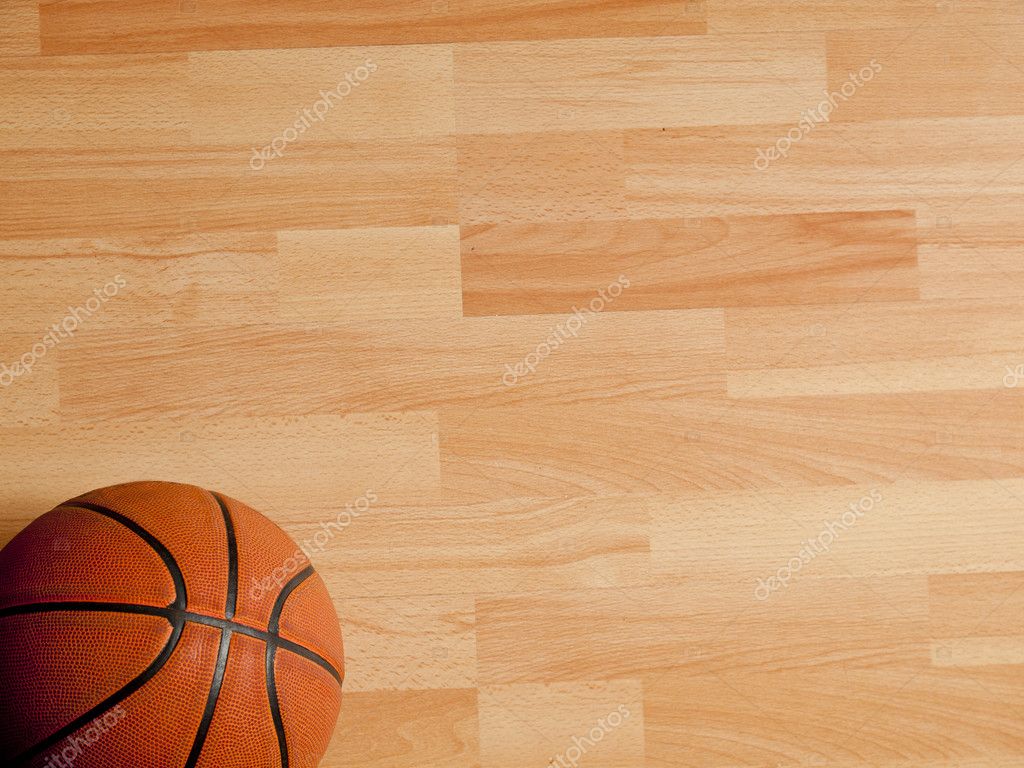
(793, 234)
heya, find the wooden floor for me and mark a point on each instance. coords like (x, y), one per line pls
(669, 354)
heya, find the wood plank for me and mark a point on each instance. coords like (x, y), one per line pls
(976, 620)
(527, 724)
(698, 444)
(340, 458)
(323, 95)
(635, 83)
(952, 70)
(93, 101)
(976, 605)
(700, 627)
(19, 28)
(748, 16)
(393, 549)
(957, 173)
(834, 258)
(99, 26)
(956, 344)
(405, 182)
(186, 279)
(407, 729)
(389, 365)
(858, 531)
(406, 643)
(973, 652)
(540, 177)
(842, 717)
(970, 270)
(28, 377)
(331, 276)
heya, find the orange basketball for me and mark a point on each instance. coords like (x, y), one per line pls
(160, 624)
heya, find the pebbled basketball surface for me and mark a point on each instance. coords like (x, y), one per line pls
(162, 624)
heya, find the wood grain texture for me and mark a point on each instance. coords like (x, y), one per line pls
(684, 263)
(939, 71)
(450, 362)
(187, 279)
(598, 541)
(737, 16)
(718, 444)
(377, 273)
(634, 83)
(201, 451)
(183, 191)
(957, 344)
(94, 26)
(551, 714)
(19, 28)
(701, 627)
(434, 727)
(648, 391)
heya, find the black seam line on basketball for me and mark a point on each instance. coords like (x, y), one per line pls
(274, 626)
(180, 591)
(171, 615)
(229, 529)
(211, 702)
(275, 615)
(270, 639)
(110, 702)
(275, 706)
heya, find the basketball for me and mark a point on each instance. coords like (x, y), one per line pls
(162, 624)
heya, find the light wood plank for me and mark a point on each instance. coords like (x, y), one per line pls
(698, 444)
(29, 393)
(405, 729)
(634, 83)
(44, 465)
(681, 263)
(739, 16)
(956, 344)
(391, 365)
(700, 627)
(575, 544)
(19, 28)
(405, 182)
(93, 101)
(330, 276)
(865, 530)
(540, 177)
(407, 643)
(843, 717)
(970, 270)
(952, 70)
(88, 26)
(976, 605)
(140, 281)
(599, 723)
(958, 173)
(321, 95)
